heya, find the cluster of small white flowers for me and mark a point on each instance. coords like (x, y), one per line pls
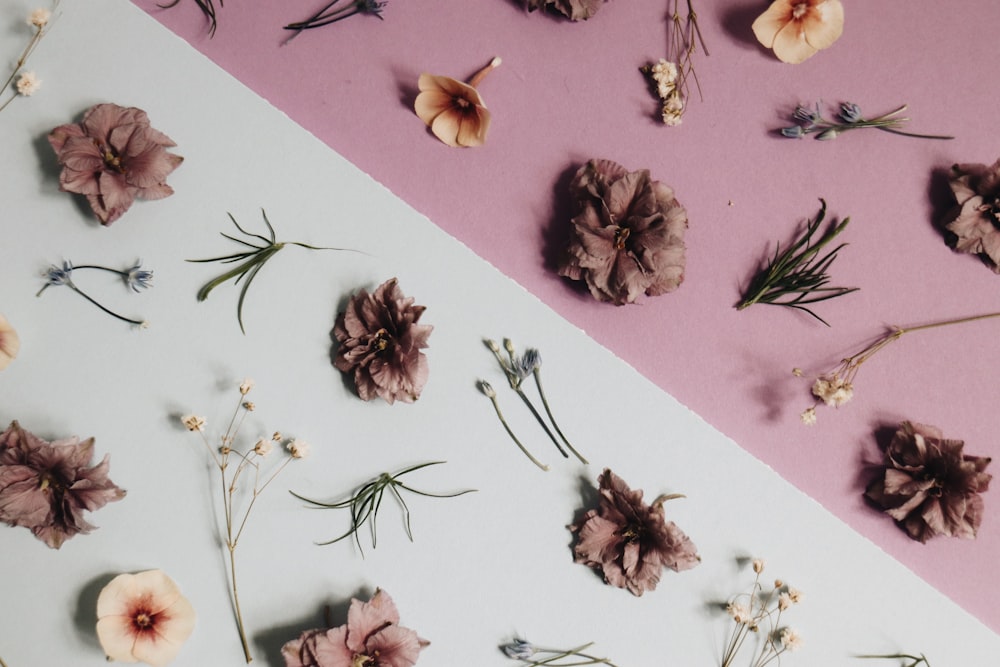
(833, 390)
(28, 84)
(790, 639)
(738, 611)
(298, 449)
(760, 611)
(666, 77)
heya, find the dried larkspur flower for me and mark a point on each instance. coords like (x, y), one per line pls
(973, 224)
(629, 541)
(929, 486)
(143, 618)
(380, 343)
(628, 234)
(575, 10)
(372, 637)
(46, 486)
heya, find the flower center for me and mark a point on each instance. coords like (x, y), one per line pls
(382, 340)
(631, 533)
(111, 161)
(621, 236)
(143, 621)
(47, 480)
(799, 10)
(361, 660)
(461, 103)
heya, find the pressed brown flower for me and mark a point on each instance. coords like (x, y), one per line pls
(455, 111)
(929, 486)
(10, 343)
(628, 234)
(143, 617)
(629, 541)
(114, 157)
(372, 637)
(46, 486)
(575, 10)
(380, 343)
(797, 29)
(974, 223)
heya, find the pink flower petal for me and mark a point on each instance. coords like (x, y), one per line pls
(824, 24)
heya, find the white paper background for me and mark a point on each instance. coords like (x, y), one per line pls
(484, 566)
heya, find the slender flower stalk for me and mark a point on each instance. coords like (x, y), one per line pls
(330, 14)
(669, 77)
(135, 278)
(836, 387)
(758, 613)
(916, 660)
(530, 654)
(40, 21)
(517, 369)
(366, 501)
(849, 117)
(250, 262)
(234, 468)
(798, 276)
(491, 393)
(207, 8)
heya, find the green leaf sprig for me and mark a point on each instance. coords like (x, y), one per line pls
(366, 501)
(798, 276)
(250, 261)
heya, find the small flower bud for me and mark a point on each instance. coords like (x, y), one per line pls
(487, 389)
(246, 386)
(39, 18)
(793, 132)
(193, 422)
(263, 447)
(758, 565)
(276, 436)
(298, 449)
(249, 406)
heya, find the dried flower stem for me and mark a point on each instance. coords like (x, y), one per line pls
(235, 524)
(207, 8)
(134, 278)
(917, 660)
(796, 277)
(759, 613)
(251, 261)
(487, 389)
(329, 15)
(848, 118)
(684, 45)
(366, 501)
(537, 373)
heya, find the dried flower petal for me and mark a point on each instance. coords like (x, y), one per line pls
(575, 10)
(380, 342)
(974, 223)
(46, 486)
(372, 637)
(629, 541)
(10, 343)
(113, 157)
(929, 486)
(628, 234)
(797, 29)
(455, 111)
(143, 618)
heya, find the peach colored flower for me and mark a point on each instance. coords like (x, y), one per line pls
(143, 618)
(10, 343)
(797, 29)
(454, 110)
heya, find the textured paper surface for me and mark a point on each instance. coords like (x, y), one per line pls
(482, 567)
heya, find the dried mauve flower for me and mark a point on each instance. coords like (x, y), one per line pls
(372, 637)
(380, 342)
(10, 343)
(628, 234)
(113, 157)
(143, 618)
(929, 486)
(630, 541)
(575, 10)
(46, 486)
(797, 29)
(454, 110)
(975, 220)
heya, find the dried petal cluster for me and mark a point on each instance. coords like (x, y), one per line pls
(380, 343)
(575, 10)
(372, 637)
(114, 157)
(974, 223)
(143, 618)
(797, 29)
(929, 486)
(629, 541)
(46, 486)
(627, 236)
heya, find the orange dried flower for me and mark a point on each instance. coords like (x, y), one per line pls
(453, 110)
(797, 29)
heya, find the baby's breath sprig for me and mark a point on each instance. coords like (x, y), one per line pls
(366, 501)
(330, 14)
(758, 612)
(669, 77)
(250, 261)
(798, 276)
(517, 369)
(136, 278)
(529, 654)
(849, 117)
(248, 463)
(28, 83)
(836, 387)
(916, 660)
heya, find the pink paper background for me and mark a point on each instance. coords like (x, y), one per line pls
(567, 92)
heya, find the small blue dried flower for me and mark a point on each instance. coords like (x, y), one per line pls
(519, 649)
(850, 112)
(138, 278)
